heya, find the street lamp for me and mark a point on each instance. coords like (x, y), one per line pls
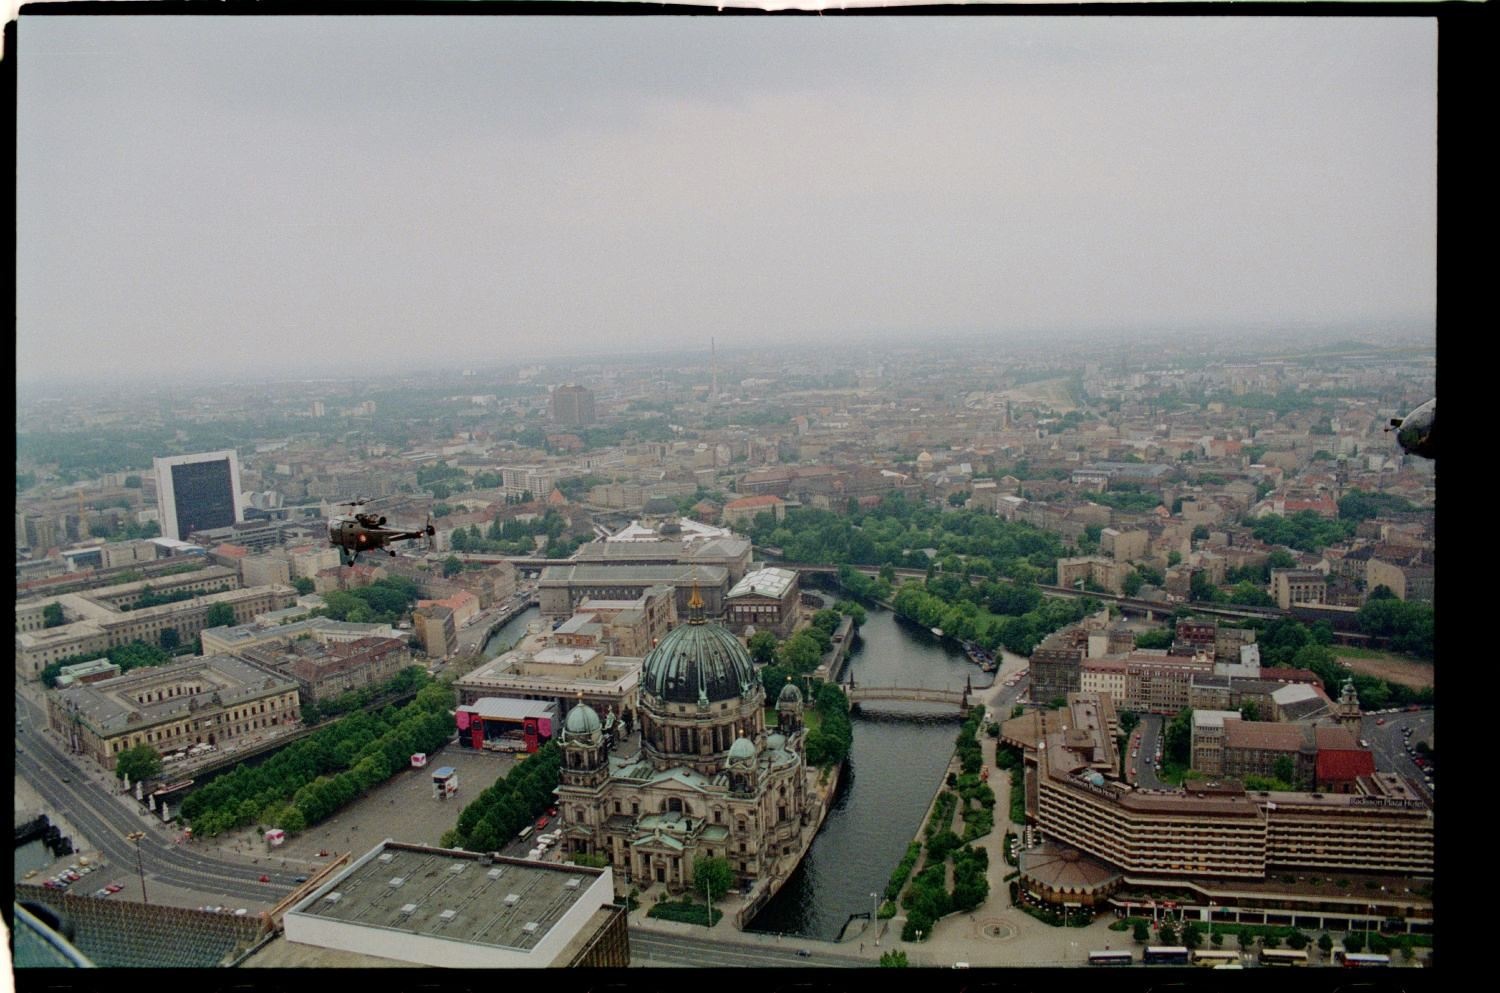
(875, 912)
(136, 837)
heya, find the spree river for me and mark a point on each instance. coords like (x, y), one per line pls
(511, 632)
(894, 769)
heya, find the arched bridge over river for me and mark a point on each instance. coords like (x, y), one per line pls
(908, 694)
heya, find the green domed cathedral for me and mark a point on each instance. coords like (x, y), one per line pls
(706, 779)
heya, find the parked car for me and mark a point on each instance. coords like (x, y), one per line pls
(115, 887)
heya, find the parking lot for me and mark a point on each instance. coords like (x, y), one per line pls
(402, 808)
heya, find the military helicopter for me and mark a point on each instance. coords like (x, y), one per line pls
(1415, 431)
(357, 532)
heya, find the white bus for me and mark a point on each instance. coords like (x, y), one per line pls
(1214, 956)
(1111, 958)
(1283, 956)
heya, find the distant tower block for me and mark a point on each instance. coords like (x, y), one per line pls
(573, 405)
(198, 492)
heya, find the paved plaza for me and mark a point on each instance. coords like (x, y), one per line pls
(402, 808)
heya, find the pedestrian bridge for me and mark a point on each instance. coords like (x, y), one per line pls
(910, 694)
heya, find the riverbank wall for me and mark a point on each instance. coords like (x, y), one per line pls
(825, 790)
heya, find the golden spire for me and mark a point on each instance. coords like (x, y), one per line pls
(695, 602)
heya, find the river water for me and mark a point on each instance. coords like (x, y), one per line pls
(894, 770)
(511, 632)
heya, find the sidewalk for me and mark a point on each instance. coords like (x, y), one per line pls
(996, 933)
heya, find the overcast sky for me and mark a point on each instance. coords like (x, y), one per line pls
(221, 193)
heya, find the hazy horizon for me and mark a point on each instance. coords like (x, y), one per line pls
(298, 196)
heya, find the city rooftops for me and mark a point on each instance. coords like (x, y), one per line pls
(623, 575)
(563, 655)
(1265, 735)
(771, 582)
(1214, 718)
(689, 531)
(111, 707)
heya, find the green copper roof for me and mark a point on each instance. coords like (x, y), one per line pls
(582, 720)
(699, 663)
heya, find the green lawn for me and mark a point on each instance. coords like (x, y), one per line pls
(810, 718)
(1369, 653)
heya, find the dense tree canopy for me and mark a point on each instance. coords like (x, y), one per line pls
(135, 655)
(382, 602)
(896, 531)
(980, 612)
(140, 762)
(1305, 531)
(1178, 737)
(513, 802)
(1359, 505)
(308, 781)
(1408, 625)
(219, 615)
(762, 647)
(712, 877)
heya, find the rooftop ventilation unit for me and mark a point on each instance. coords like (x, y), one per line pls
(397, 881)
(408, 909)
(531, 927)
(333, 898)
(387, 856)
(456, 869)
(448, 915)
(486, 860)
(511, 899)
(493, 874)
(572, 884)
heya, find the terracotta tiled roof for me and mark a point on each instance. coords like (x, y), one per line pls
(1340, 765)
